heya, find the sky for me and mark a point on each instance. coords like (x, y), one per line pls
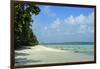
(57, 24)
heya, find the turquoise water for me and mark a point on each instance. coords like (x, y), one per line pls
(85, 49)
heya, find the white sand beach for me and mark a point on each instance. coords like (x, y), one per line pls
(43, 55)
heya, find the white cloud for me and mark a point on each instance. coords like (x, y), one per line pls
(82, 29)
(81, 19)
(48, 11)
(45, 28)
(70, 20)
(90, 29)
(85, 23)
(71, 25)
(91, 18)
(56, 24)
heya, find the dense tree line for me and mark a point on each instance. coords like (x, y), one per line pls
(23, 35)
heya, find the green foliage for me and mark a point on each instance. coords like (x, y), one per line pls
(22, 24)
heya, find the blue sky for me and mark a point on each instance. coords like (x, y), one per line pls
(64, 24)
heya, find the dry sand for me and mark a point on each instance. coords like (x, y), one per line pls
(44, 55)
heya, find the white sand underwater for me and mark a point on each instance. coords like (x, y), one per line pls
(44, 55)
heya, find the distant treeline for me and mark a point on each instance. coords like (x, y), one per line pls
(69, 43)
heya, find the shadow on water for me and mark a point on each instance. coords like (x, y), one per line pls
(23, 61)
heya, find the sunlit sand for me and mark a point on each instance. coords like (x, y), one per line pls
(43, 55)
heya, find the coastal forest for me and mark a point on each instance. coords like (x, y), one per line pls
(23, 34)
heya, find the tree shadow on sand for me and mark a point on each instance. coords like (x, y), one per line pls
(24, 61)
(23, 47)
(21, 54)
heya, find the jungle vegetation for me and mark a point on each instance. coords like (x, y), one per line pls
(23, 34)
